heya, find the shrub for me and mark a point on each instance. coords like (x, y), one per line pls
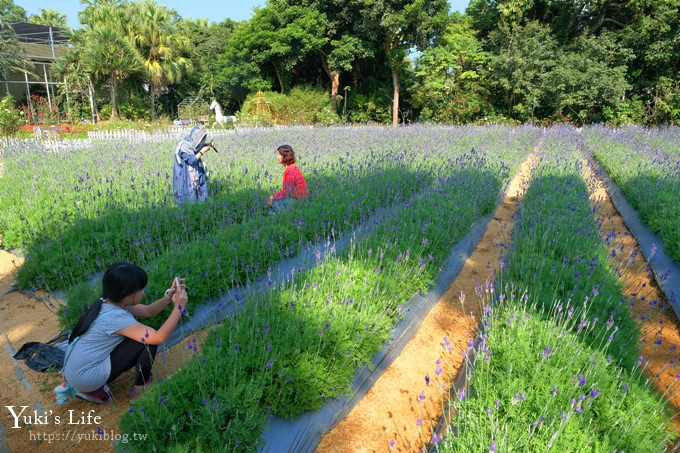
(105, 112)
(10, 116)
(303, 105)
(367, 109)
(134, 109)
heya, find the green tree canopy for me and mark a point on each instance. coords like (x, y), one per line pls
(10, 12)
(399, 27)
(12, 55)
(49, 17)
(164, 50)
(450, 76)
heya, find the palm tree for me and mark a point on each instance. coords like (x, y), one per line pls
(49, 17)
(98, 11)
(162, 48)
(110, 56)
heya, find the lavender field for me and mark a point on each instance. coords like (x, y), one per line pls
(290, 349)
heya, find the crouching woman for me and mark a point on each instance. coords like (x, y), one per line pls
(107, 340)
(294, 184)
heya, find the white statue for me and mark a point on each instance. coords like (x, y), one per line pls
(221, 119)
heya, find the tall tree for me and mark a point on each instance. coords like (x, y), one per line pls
(523, 58)
(653, 34)
(165, 51)
(281, 36)
(400, 26)
(588, 82)
(100, 51)
(208, 43)
(49, 17)
(70, 68)
(99, 10)
(109, 55)
(451, 76)
(340, 43)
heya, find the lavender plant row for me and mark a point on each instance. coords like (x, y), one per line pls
(557, 366)
(141, 234)
(238, 252)
(298, 345)
(77, 211)
(646, 166)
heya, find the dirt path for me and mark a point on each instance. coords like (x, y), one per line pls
(393, 414)
(660, 329)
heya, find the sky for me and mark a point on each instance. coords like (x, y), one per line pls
(214, 10)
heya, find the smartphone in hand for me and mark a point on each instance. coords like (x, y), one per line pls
(177, 284)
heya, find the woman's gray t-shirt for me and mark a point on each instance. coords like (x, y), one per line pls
(88, 362)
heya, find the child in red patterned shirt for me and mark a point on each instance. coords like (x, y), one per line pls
(294, 184)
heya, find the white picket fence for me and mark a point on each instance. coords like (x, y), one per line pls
(17, 145)
(173, 133)
(54, 143)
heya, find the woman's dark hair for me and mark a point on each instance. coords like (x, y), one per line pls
(119, 281)
(287, 153)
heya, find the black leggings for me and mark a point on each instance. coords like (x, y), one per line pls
(130, 353)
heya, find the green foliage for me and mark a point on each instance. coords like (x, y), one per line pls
(10, 116)
(521, 64)
(664, 104)
(587, 80)
(105, 111)
(450, 80)
(12, 55)
(110, 56)
(369, 108)
(303, 106)
(630, 111)
(49, 17)
(10, 12)
(134, 109)
(557, 393)
(520, 60)
(598, 57)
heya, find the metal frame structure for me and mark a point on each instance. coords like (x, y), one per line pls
(43, 45)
